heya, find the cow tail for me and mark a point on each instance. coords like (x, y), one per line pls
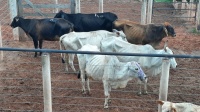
(60, 42)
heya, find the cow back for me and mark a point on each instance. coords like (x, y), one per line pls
(89, 22)
(52, 28)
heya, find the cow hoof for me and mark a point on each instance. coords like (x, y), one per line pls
(145, 93)
(139, 93)
(84, 95)
(109, 101)
(83, 92)
(89, 94)
(106, 106)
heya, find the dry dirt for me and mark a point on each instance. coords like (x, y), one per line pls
(21, 81)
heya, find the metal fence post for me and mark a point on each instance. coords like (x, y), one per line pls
(46, 77)
(164, 79)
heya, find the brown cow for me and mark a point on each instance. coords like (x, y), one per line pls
(144, 34)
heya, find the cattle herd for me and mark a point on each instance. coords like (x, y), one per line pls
(104, 32)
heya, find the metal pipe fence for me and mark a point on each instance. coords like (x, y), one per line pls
(22, 89)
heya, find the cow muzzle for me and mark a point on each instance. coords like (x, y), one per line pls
(174, 35)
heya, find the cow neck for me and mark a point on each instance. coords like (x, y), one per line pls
(157, 60)
(27, 25)
(166, 32)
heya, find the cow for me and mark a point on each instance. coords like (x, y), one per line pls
(75, 40)
(89, 22)
(144, 34)
(112, 72)
(178, 107)
(152, 65)
(49, 29)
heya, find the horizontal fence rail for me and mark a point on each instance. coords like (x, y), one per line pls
(99, 53)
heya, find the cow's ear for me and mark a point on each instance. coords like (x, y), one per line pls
(160, 102)
(166, 24)
(173, 109)
(17, 19)
(118, 34)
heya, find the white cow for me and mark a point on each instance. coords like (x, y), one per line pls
(178, 107)
(75, 40)
(151, 65)
(109, 69)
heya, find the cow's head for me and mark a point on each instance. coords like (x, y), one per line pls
(16, 22)
(60, 14)
(167, 106)
(170, 30)
(120, 34)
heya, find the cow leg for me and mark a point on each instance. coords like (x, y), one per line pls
(140, 87)
(88, 86)
(145, 86)
(40, 45)
(35, 41)
(64, 61)
(83, 81)
(106, 93)
(109, 100)
(71, 61)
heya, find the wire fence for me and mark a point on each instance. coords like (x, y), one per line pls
(21, 88)
(21, 79)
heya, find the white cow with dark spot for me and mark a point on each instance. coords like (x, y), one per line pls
(75, 40)
(178, 107)
(109, 69)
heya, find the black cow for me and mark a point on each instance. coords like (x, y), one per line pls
(49, 29)
(89, 22)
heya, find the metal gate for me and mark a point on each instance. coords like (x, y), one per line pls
(183, 11)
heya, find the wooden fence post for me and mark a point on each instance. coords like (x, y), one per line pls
(198, 17)
(56, 9)
(1, 45)
(143, 12)
(46, 77)
(77, 6)
(101, 6)
(149, 11)
(164, 79)
(16, 10)
(72, 6)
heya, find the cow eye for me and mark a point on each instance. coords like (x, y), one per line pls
(136, 68)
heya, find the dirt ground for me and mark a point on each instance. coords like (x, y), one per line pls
(21, 81)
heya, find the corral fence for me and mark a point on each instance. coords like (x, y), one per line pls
(20, 88)
(46, 72)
